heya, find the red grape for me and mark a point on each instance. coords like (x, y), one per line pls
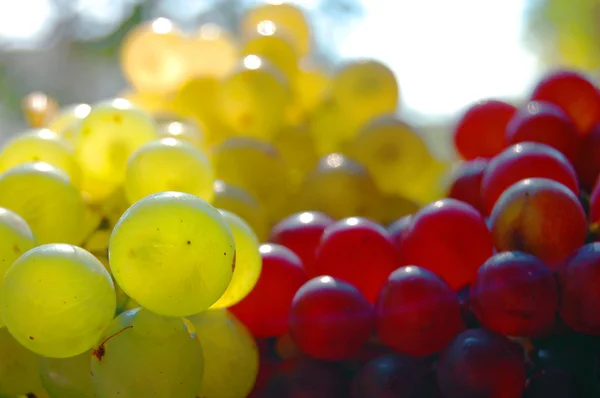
(330, 319)
(579, 280)
(594, 209)
(417, 313)
(521, 161)
(575, 94)
(397, 231)
(466, 312)
(467, 183)
(514, 294)
(265, 310)
(301, 232)
(358, 251)
(480, 132)
(450, 238)
(481, 363)
(540, 217)
(546, 123)
(588, 161)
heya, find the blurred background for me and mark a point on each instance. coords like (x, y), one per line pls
(446, 54)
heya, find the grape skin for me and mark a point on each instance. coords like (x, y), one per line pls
(67, 377)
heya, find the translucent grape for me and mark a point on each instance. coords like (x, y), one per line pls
(253, 99)
(247, 261)
(173, 253)
(297, 148)
(38, 108)
(106, 138)
(330, 128)
(432, 184)
(67, 377)
(142, 354)
(466, 183)
(40, 145)
(182, 129)
(385, 209)
(398, 231)
(588, 159)
(230, 354)
(310, 85)
(151, 102)
(43, 196)
(213, 51)
(166, 165)
(66, 121)
(19, 369)
(57, 299)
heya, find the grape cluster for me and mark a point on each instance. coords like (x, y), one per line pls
(244, 222)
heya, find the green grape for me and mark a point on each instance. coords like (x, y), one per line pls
(66, 122)
(432, 184)
(43, 196)
(166, 165)
(290, 18)
(339, 187)
(113, 207)
(67, 377)
(57, 299)
(19, 369)
(248, 263)
(123, 300)
(310, 85)
(230, 355)
(173, 253)
(213, 51)
(106, 138)
(240, 202)
(256, 167)
(40, 145)
(298, 150)
(393, 152)
(386, 209)
(254, 98)
(142, 354)
(187, 129)
(330, 128)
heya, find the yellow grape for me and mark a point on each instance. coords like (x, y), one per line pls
(41, 145)
(288, 17)
(254, 98)
(248, 263)
(67, 377)
(15, 239)
(142, 354)
(153, 56)
(230, 354)
(166, 165)
(183, 129)
(330, 128)
(38, 108)
(97, 243)
(240, 202)
(44, 197)
(19, 369)
(112, 208)
(386, 209)
(173, 253)
(297, 148)
(393, 152)
(256, 167)
(123, 300)
(212, 51)
(431, 185)
(106, 138)
(270, 43)
(66, 121)
(151, 102)
(57, 299)
(311, 85)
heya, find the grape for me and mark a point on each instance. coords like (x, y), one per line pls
(297, 148)
(358, 251)
(240, 202)
(338, 187)
(540, 217)
(40, 145)
(213, 51)
(57, 299)
(392, 375)
(230, 354)
(256, 167)
(550, 384)
(310, 85)
(393, 152)
(521, 161)
(466, 312)
(253, 98)
(286, 16)
(165, 165)
(587, 163)
(385, 209)
(247, 261)
(43, 196)
(466, 184)
(398, 231)
(459, 235)
(431, 185)
(514, 294)
(544, 122)
(151, 102)
(19, 369)
(286, 348)
(480, 131)
(574, 94)
(38, 108)
(67, 377)
(265, 310)
(142, 354)
(301, 232)
(330, 319)
(177, 242)
(105, 140)
(330, 128)
(153, 56)
(66, 122)
(579, 296)
(481, 363)
(181, 128)
(417, 313)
